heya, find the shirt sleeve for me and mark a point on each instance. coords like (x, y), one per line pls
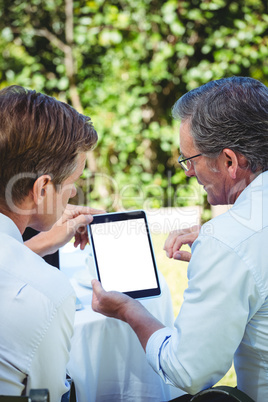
(221, 297)
(48, 368)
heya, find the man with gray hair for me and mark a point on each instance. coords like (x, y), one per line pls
(224, 316)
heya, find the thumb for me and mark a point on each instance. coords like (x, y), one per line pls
(182, 256)
(96, 286)
(96, 297)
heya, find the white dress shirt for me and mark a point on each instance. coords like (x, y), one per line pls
(37, 307)
(225, 310)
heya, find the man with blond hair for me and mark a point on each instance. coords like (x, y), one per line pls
(42, 153)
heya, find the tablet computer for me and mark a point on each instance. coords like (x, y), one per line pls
(123, 253)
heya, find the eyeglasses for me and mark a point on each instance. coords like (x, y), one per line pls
(186, 163)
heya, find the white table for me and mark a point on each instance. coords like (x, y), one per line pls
(107, 362)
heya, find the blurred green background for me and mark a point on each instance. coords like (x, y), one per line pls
(125, 63)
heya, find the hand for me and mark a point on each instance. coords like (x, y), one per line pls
(73, 223)
(120, 306)
(177, 239)
(111, 304)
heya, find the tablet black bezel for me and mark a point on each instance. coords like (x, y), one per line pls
(121, 216)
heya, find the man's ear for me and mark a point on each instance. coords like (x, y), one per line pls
(40, 188)
(231, 162)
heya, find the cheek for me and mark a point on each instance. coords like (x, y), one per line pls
(68, 191)
(73, 192)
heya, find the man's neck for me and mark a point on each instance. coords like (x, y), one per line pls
(241, 184)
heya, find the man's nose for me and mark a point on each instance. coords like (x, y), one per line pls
(190, 172)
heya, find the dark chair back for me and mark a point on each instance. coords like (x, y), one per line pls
(36, 395)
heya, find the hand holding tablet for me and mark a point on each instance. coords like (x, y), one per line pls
(123, 253)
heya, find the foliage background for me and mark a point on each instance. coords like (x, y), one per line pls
(125, 63)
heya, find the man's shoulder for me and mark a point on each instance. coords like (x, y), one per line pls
(233, 229)
(247, 218)
(26, 267)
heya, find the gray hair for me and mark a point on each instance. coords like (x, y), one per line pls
(228, 113)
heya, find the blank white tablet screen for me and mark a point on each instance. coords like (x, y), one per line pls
(124, 256)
